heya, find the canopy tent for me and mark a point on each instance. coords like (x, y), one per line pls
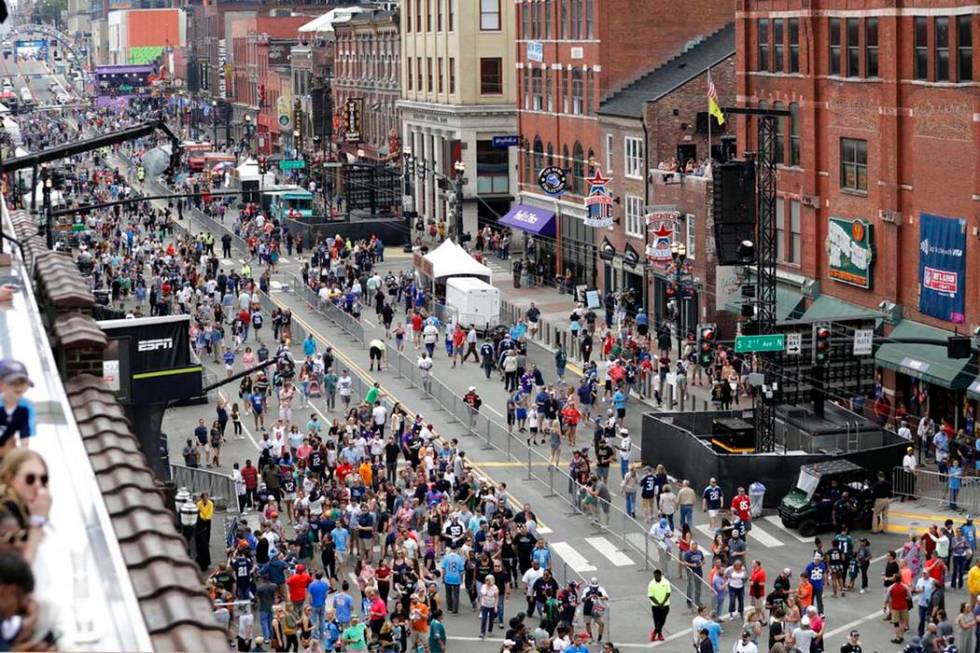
(451, 260)
(324, 24)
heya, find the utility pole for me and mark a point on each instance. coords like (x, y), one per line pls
(458, 181)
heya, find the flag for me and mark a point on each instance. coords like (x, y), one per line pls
(713, 107)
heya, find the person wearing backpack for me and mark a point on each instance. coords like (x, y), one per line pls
(257, 321)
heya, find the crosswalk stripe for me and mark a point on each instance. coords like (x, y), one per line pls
(608, 549)
(544, 530)
(707, 530)
(763, 538)
(227, 261)
(778, 523)
(283, 259)
(572, 558)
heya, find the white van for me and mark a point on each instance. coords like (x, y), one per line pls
(473, 301)
(25, 95)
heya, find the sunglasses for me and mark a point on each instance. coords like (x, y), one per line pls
(33, 478)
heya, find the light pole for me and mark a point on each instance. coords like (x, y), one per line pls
(249, 127)
(187, 511)
(46, 189)
(678, 252)
(296, 143)
(214, 124)
(458, 182)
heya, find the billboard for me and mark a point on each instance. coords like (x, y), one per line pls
(850, 251)
(942, 267)
(36, 48)
(353, 110)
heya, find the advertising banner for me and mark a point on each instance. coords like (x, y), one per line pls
(599, 201)
(850, 251)
(661, 224)
(353, 109)
(942, 267)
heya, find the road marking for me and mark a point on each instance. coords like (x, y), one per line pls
(608, 549)
(227, 261)
(848, 626)
(778, 523)
(275, 286)
(572, 558)
(544, 530)
(707, 530)
(764, 538)
(283, 259)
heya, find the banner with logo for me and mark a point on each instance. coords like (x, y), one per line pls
(942, 267)
(599, 201)
(353, 109)
(850, 251)
(661, 225)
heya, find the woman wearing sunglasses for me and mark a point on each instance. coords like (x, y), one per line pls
(24, 501)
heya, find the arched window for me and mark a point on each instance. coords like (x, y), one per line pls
(551, 154)
(538, 155)
(526, 164)
(578, 167)
(590, 162)
(566, 165)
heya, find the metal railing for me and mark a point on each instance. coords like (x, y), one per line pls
(220, 487)
(328, 310)
(935, 488)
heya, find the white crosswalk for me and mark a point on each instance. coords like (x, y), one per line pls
(775, 521)
(571, 557)
(756, 533)
(227, 262)
(609, 550)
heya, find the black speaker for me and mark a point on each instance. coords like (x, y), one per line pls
(734, 201)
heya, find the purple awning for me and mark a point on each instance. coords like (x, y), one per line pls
(530, 219)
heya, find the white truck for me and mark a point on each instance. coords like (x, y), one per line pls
(473, 301)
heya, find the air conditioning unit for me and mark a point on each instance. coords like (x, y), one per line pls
(892, 217)
(811, 201)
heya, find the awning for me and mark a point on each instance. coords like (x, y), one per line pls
(974, 390)
(926, 362)
(530, 219)
(788, 304)
(826, 307)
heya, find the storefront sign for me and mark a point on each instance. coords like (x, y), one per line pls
(607, 251)
(598, 203)
(661, 225)
(535, 51)
(222, 60)
(850, 251)
(285, 110)
(942, 267)
(630, 256)
(552, 180)
(353, 109)
(503, 142)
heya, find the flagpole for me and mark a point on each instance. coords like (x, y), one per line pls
(708, 70)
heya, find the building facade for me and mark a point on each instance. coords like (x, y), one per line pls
(458, 92)
(571, 55)
(877, 207)
(367, 66)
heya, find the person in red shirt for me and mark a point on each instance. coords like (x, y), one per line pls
(297, 584)
(757, 586)
(937, 569)
(250, 475)
(343, 471)
(741, 508)
(571, 416)
(897, 601)
(416, 328)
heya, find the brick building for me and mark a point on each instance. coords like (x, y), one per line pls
(877, 211)
(571, 55)
(660, 118)
(368, 66)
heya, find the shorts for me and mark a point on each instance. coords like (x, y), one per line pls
(375, 354)
(289, 496)
(620, 413)
(228, 368)
(712, 514)
(898, 616)
(608, 385)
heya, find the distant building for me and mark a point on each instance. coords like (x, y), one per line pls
(140, 36)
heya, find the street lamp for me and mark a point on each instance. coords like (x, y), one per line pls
(460, 168)
(678, 253)
(248, 132)
(46, 190)
(214, 124)
(187, 510)
(295, 143)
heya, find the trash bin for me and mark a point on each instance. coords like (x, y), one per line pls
(757, 493)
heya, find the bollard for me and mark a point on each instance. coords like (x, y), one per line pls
(488, 446)
(670, 396)
(529, 476)
(551, 481)
(683, 397)
(646, 552)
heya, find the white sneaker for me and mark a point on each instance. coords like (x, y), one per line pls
(861, 592)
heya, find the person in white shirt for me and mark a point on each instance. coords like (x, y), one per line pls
(909, 467)
(625, 449)
(425, 370)
(904, 431)
(380, 415)
(344, 389)
(745, 645)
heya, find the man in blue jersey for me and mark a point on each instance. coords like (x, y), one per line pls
(712, 499)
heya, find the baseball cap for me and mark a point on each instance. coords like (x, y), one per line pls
(805, 621)
(300, 568)
(594, 582)
(12, 371)
(854, 633)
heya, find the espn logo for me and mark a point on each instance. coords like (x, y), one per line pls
(155, 344)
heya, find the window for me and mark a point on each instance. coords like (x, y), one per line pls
(941, 26)
(609, 152)
(547, 19)
(549, 91)
(578, 168)
(525, 10)
(854, 164)
(563, 20)
(780, 229)
(565, 163)
(796, 238)
(526, 86)
(794, 134)
(794, 45)
(535, 18)
(408, 16)
(408, 68)
(634, 215)
(871, 47)
(777, 45)
(418, 15)
(834, 67)
(853, 44)
(575, 20)
(780, 144)
(491, 76)
(492, 168)
(490, 15)
(536, 95)
(921, 48)
(428, 15)
(577, 91)
(451, 18)
(452, 75)
(692, 240)
(418, 73)
(551, 154)
(763, 33)
(564, 91)
(438, 15)
(633, 157)
(589, 90)
(964, 48)
(589, 18)
(439, 72)
(428, 73)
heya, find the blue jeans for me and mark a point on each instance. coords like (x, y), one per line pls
(265, 621)
(630, 503)
(736, 598)
(624, 466)
(687, 516)
(500, 609)
(959, 566)
(486, 620)
(318, 621)
(953, 492)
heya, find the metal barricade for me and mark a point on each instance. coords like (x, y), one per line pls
(937, 488)
(220, 487)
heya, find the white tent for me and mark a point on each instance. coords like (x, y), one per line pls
(324, 24)
(451, 260)
(56, 197)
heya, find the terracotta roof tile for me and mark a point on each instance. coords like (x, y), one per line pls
(170, 590)
(75, 330)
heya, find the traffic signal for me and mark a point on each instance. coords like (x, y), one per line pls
(821, 343)
(262, 165)
(707, 343)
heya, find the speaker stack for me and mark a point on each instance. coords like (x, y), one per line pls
(734, 201)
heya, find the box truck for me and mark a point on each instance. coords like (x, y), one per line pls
(473, 301)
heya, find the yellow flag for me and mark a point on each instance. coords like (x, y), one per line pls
(713, 107)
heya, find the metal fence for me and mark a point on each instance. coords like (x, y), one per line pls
(936, 488)
(328, 310)
(220, 487)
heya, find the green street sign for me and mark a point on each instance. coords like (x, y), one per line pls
(769, 342)
(292, 164)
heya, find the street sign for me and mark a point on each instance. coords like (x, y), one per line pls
(501, 142)
(863, 341)
(794, 342)
(292, 164)
(768, 342)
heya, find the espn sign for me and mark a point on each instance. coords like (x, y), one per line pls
(155, 344)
